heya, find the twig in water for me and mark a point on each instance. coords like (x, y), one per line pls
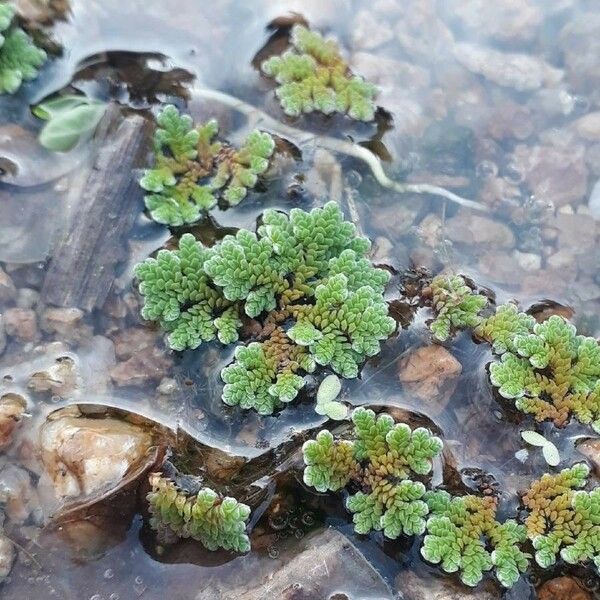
(30, 556)
(301, 137)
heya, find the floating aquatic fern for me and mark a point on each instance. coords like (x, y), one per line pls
(20, 58)
(179, 295)
(464, 535)
(264, 375)
(501, 328)
(455, 305)
(204, 515)
(564, 519)
(549, 370)
(381, 459)
(313, 76)
(305, 277)
(192, 170)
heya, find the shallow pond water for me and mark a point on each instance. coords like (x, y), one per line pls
(499, 104)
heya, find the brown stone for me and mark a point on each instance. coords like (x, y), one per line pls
(591, 450)
(148, 365)
(8, 291)
(510, 120)
(21, 323)
(469, 228)
(575, 231)
(414, 587)
(563, 588)
(500, 267)
(430, 373)
(86, 456)
(396, 219)
(547, 282)
(65, 323)
(388, 72)
(557, 175)
(588, 126)
(12, 407)
(562, 259)
(18, 495)
(7, 557)
(221, 466)
(133, 340)
(61, 378)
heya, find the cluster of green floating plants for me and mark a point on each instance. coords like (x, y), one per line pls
(305, 278)
(546, 368)
(20, 58)
(549, 370)
(192, 169)
(313, 76)
(463, 535)
(381, 461)
(378, 464)
(454, 304)
(563, 519)
(201, 514)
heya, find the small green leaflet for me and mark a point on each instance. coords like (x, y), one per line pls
(47, 110)
(70, 119)
(551, 455)
(328, 391)
(549, 450)
(534, 438)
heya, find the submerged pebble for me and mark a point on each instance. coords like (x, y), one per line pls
(12, 408)
(430, 373)
(7, 557)
(563, 588)
(85, 456)
(523, 72)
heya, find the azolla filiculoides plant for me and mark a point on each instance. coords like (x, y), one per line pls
(547, 368)
(200, 513)
(379, 463)
(20, 58)
(305, 277)
(563, 519)
(313, 76)
(192, 170)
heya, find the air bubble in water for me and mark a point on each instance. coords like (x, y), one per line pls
(353, 179)
(308, 519)
(485, 169)
(109, 574)
(514, 174)
(278, 521)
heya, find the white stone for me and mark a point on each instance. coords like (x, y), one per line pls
(528, 261)
(521, 72)
(594, 201)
